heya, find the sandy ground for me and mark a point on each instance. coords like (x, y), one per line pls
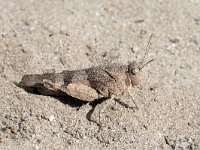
(38, 35)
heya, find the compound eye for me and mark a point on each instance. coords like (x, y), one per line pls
(133, 72)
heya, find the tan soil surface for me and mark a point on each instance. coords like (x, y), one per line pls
(38, 35)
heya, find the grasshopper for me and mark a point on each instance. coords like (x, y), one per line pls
(88, 84)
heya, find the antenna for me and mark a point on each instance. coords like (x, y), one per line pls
(147, 63)
(146, 51)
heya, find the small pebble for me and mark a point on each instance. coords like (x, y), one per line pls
(51, 118)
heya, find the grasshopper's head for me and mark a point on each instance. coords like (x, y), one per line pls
(134, 73)
(134, 70)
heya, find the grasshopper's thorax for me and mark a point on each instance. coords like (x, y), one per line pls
(134, 73)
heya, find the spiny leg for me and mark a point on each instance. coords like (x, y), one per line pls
(86, 104)
(103, 108)
(94, 104)
(118, 100)
(139, 93)
(129, 96)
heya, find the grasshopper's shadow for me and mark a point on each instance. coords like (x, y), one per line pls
(66, 99)
(73, 102)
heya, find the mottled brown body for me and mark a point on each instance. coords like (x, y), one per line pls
(87, 84)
